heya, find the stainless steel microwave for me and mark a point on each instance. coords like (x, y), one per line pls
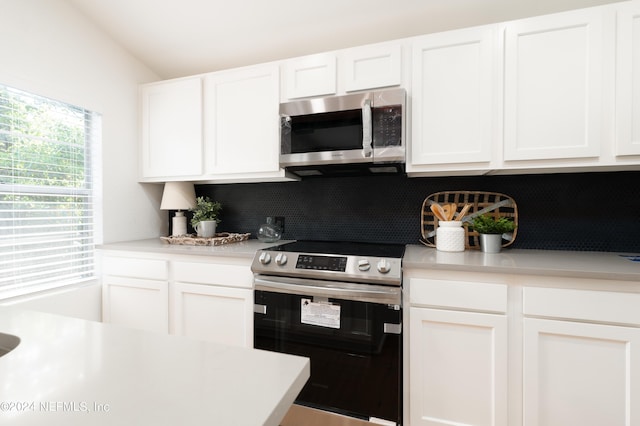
(349, 134)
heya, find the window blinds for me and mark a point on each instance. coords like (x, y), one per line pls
(46, 193)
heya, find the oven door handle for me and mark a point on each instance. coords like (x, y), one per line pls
(331, 289)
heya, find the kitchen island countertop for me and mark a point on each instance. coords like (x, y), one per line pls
(574, 264)
(68, 371)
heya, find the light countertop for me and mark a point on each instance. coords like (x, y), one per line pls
(601, 265)
(68, 371)
(156, 245)
(605, 265)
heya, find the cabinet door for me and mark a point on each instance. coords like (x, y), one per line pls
(628, 80)
(242, 126)
(135, 302)
(372, 67)
(458, 368)
(213, 313)
(553, 86)
(580, 374)
(313, 75)
(172, 129)
(454, 94)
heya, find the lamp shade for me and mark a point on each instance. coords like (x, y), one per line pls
(178, 196)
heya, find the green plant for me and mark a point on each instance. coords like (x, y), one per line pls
(205, 209)
(487, 224)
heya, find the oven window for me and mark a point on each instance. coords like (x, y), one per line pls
(355, 369)
(330, 131)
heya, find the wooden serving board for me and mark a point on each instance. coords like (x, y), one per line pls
(492, 203)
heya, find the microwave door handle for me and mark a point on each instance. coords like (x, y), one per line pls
(367, 129)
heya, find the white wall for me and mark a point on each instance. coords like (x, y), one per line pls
(48, 48)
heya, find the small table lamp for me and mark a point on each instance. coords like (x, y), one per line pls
(178, 196)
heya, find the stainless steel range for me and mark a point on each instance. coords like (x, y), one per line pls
(340, 304)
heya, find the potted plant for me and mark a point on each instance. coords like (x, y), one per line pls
(205, 216)
(491, 229)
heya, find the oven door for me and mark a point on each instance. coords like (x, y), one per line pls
(352, 334)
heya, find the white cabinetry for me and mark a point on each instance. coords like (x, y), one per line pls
(313, 75)
(455, 95)
(219, 127)
(171, 129)
(201, 297)
(553, 86)
(457, 359)
(576, 372)
(372, 66)
(241, 121)
(498, 349)
(135, 293)
(628, 80)
(349, 70)
(213, 302)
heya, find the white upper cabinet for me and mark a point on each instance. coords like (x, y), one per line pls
(359, 68)
(371, 67)
(553, 86)
(241, 121)
(628, 80)
(171, 129)
(455, 91)
(313, 75)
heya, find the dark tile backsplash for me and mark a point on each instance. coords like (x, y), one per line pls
(573, 211)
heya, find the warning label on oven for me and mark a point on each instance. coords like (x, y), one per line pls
(322, 314)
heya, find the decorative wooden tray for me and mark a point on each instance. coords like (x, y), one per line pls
(492, 203)
(217, 240)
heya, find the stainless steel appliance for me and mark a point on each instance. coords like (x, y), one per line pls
(348, 134)
(339, 304)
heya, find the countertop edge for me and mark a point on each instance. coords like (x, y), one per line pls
(546, 263)
(243, 249)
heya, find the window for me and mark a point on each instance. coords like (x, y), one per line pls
(47, 224)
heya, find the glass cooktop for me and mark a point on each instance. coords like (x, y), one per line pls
(343, 248)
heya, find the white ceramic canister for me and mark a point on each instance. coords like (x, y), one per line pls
(450, 236)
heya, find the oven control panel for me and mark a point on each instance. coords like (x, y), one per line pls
(322, 263)
(376, 270)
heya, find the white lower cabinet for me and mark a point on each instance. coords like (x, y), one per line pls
(581, 361)
(212, 313)
(204, 305)
(210, 299)
(580, 374)
(136, 303)
(493, 349)
(457, 355)
(135, 293)
(458, 368)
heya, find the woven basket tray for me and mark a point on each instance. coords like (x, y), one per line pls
(492, 203)
(217, 240)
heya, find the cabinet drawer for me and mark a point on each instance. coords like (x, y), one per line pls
(601, 306)
(154, 269)
(213, 273)
(458, 294)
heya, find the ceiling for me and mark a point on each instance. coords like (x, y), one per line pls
(176, 38)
